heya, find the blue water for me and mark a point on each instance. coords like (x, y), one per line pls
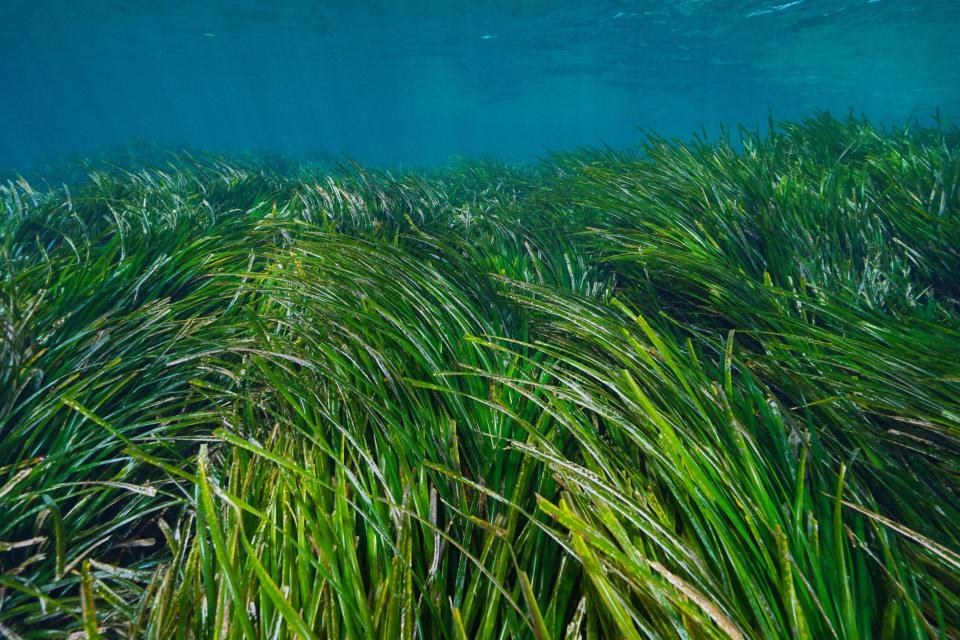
(415, 82)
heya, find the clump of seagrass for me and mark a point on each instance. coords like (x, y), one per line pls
(696, 390)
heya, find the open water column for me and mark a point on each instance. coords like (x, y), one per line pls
(414, 82)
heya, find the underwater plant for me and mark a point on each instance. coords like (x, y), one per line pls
(704, 389)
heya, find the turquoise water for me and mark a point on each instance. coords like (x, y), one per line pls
(415, 82)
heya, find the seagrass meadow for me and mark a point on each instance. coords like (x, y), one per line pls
(703, 389)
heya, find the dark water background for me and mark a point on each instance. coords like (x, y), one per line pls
(413, 82)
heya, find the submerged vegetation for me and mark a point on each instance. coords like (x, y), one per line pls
(702, 390)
